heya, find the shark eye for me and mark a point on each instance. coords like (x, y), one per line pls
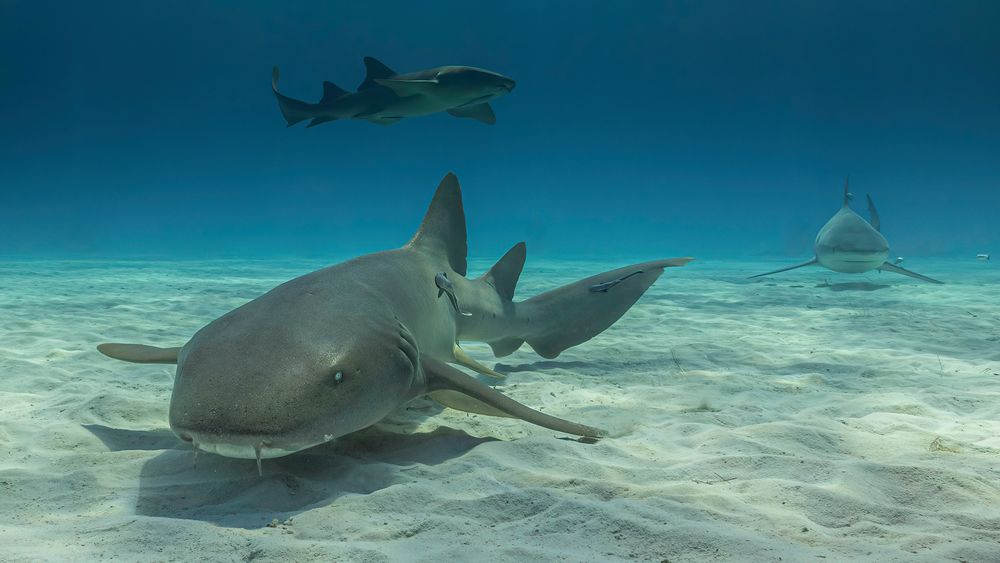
(338, 376)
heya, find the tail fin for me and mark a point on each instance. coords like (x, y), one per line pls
(575, 313)
(292, 110)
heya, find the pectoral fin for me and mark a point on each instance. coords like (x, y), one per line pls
(139, 353)
(383, 120)
(802, 265)
(406, 88)
(887, 267)
(479, 112)
(465, 403)
(445, 382)
(319, 120)
(463, 359)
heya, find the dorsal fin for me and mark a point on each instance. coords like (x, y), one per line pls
(847, 194)
(442, 231)
(504, 274)
(331, 92)
(873, 213)
(375, 69)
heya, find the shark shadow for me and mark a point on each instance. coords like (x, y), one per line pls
(228, 492)
(853, 286)
(540, 366)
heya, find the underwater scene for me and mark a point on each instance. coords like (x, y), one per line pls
(515, 282)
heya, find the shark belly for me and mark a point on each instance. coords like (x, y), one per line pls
(415, 106)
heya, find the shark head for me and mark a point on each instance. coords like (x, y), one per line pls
(474, 85)
(849, 244)
(263, 381)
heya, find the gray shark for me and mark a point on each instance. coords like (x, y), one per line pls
(336, 350)
(385, 97)
(849, 244)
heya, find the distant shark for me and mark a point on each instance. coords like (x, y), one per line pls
(385, 96)
(851, 245)
(337, 350)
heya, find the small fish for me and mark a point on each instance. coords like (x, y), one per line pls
(899, 260)
(983, 257)
(444, 285)
(604, 287)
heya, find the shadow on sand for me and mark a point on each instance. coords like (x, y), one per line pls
(540, 365)
(853, 286)
(228, 492)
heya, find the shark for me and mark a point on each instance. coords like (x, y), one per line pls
(385, 97)
(849, 244)
(337, 350)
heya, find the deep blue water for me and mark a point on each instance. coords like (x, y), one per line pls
(642, 128)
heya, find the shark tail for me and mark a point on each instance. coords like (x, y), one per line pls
(575, 313)
(294, 111)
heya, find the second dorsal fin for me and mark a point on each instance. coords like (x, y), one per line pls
(331, 92)
(504, 274)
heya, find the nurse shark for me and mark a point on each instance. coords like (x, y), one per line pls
(337, 350)
(385, 96)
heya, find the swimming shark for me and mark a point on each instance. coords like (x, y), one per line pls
(849, 244)
(385, 97)
(337, 350)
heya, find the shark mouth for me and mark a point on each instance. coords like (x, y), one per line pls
(258, 448)
(244, 451)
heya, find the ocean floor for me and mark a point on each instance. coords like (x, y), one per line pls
(810, 416)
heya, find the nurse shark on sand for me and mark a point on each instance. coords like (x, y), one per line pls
(337, 350)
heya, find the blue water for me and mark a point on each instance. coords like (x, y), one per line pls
(720, 129)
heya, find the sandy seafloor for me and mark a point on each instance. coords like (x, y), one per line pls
(790, 419)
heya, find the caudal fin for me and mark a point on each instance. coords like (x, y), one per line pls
(292, 110)
(575, 313)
